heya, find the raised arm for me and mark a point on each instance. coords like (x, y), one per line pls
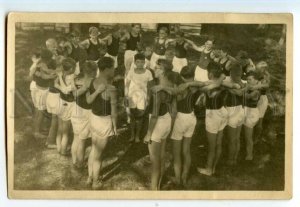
(84, 44)
(194, 46)
(91, 97)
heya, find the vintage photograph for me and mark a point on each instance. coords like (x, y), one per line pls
(184, 105)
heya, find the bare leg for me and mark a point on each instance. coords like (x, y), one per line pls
(258, 130)
(162, 160)
(249, 142)
(39, 118)
(154, 151)
(232, 144)
(74, 148)
(177, 160)
(65, 138)
(132, 127)
(52, 130)
(238, 143)
(80, 151)
(139, 123)
(59, 135)
(218, 149)
(99, 146)
(186, 159)
(90, 166)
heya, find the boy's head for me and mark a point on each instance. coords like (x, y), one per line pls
(139, 60)
(214, 71)
(187, 73)
(46, 55)
(94, 32)
(209, 42)
(179, 36)
(68, 65)
(262, 66)
(51, 45)
(136, 27)
(36, 53)
(236, 71)
(89, 68)
(75, 37)
(163, 32)
(106, 66)
(116, 30)
(224, 50)
(252, 78)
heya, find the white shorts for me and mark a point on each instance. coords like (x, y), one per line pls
(101, 126)
(162, 128)
(80, 120)
(137, 99)
(65, 110)
(236, 116)
(38, 96)
(251, 117)
(200, 74)
(184, 126)
(216, 120)
(53, 103)
(154, 59)
(128, 58)
(262, 105)
(113, 57)
(179, 63)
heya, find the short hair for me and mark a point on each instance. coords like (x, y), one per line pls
(37, 52)
(93, 29)
(262, 64)
(50, 41)
(187, 72)
(254, 74)
(164, 29)
(68, 64)
(180, 33)
(214, 69)
(134, 24)
(89, 67)
(225, 48)
(236, 69)
(166, 64)
(46, 55)
(74, 34)
(210, 38)
(139, 56)
(105, 63)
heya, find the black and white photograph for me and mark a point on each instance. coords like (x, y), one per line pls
(149, 106)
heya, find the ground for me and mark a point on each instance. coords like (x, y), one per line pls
(127, 166)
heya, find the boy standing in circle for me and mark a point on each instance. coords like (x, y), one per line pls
(92, 45)
(136, 93)
(133, 44)
(103, 121)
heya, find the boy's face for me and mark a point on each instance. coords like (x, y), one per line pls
(117, 33)
(162, 34)
(76, 39)
(52, 47)
(223, 53)
(158, 70)
(94, 34)
(208, 44)
(110, 72)
(251, 80)
(179, 38)
(139, 64)
(136, 28)
(70, 71)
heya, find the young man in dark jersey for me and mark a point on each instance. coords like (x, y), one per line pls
(92, 45)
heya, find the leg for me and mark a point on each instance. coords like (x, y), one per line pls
(80, 152)
(59, 135)
(154, 151)
(232, 140)
(211, 137)
(74, 148)
(238, 143)
(177, 160)
(218, 149)
(90, 166)
(52, 130)
(186, 149)
(249, 142)
(132, 126)
(162, 160)
(99, 146)
(258, 130)
(139, 123)
(65, 138)
(37, 123)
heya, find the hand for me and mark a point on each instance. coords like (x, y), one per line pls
(236, 86)
(155, 89)
(101, 88)
(147, 139)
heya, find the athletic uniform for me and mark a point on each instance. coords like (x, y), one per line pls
(40, 87)
(81, 116)
(263, 102)
(66, 102)
(185, 121)
(93, 51)
(158, 53)
(223, 67)
(163, 125)
(113, 50)
(131, 50)
(216, 115)
(251, 112)
(236, 113)
(100, 122)
(137, 92)
(179, 60)
(201, 69)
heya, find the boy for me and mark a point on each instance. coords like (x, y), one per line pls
(92, 45)
(136, 93)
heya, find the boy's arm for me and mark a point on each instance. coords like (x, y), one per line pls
(84, 44)
(113, 102)
(252, 95)
(106, 40)
(91, 97)
(173, 112)
(194, 46)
